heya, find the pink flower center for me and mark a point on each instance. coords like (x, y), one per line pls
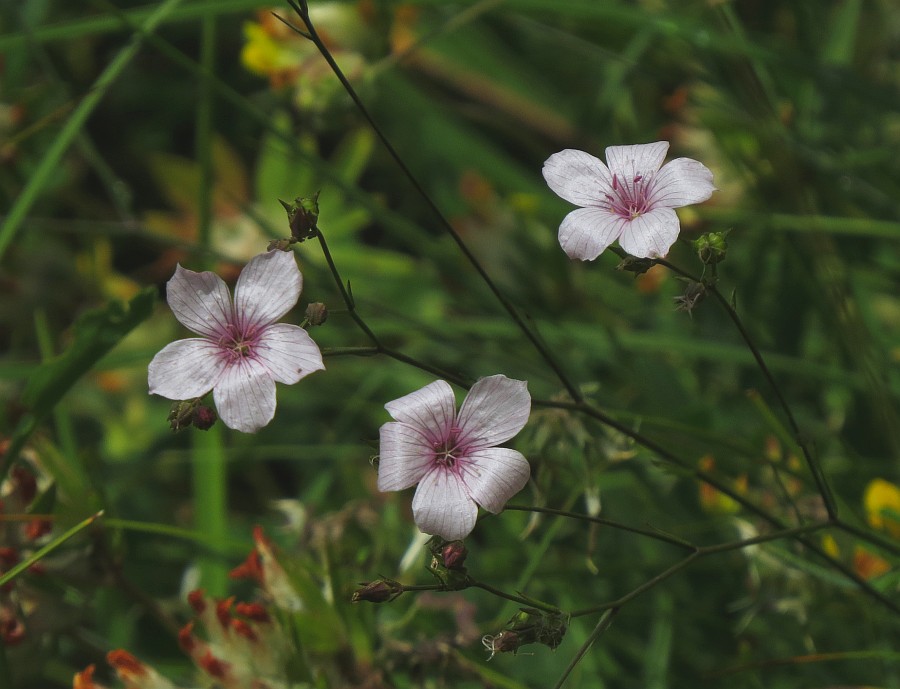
(448, 451)
(629, 200)
(237, 344)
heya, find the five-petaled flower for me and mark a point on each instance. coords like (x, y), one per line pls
(242, 351)
(631, 200)
(453, 456)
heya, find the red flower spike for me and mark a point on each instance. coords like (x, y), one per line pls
(85, 678)
(223, 612)
(37, 528)
(251, 568)
(12, 631)
(125, 665)
(196, 601)
(186, 638)
(213, 666)
(241, 628)
(24, 483)
(253, 611)
(9, 557)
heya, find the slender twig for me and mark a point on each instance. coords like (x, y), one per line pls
(302, 10)
(698, 553)
(656, 535)
(874, 539)
(378, 347)
(529, 602)
(605, 622)
(814, 467)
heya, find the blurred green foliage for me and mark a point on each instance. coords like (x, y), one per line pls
(136, 136)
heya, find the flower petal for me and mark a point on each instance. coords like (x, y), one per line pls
(200, 301)
(586, 232)
(404, 456)
(441, 506)
(431, 410)
(245, 396)
(652, 234)
(628, 162)
(268, 288)
(185, 369)
(681, 182)
(578, 177)
(493, 475)
(495, 410)
(288, 352)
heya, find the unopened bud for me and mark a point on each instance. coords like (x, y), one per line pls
(303, 215)
(316, 313)
(379, 591)
(181, 414)
(454, 554)
(204, 417)
(712, 247)
(529, 626)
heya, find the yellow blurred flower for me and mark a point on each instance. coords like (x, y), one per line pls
(882, 503)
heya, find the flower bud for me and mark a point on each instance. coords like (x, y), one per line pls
(378, 591)
(454, 554)
(181, 414)
(712, 247)
(529, 626)
(316, 313)
(204, 417)
(303, 214)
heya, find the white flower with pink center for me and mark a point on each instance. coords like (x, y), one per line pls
(242, 351)
(631, 200)
(453, 457)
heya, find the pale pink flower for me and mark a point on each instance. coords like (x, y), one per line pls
(453, 456)
(631, 200)
(242, 351)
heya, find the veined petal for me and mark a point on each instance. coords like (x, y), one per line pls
(403, 456)
(652, 234)
(245, 396)
(288, 352)
(441, 506)
(268, 288)
(639, 160)
(578, 177)
(586, 232)
(185, 369)
(200, 302)
(493, 475)
(681, 182)
(431, 410)
(495, 410)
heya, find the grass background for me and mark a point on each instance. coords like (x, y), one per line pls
(134, 136)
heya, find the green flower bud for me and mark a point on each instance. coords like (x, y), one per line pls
(712, 247)
(378, 591)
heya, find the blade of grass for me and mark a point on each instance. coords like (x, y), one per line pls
(40, 554)
(49, 162)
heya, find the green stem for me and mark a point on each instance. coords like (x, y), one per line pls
(605, 622)
(302, 10)
(656, 535)
(814, 468)
(528, 602)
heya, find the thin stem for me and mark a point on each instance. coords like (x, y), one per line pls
(605, 622)
(814, 468)
(530, 602)
(656, 535)
(874, 539)
(302, 10)
(378, 347)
